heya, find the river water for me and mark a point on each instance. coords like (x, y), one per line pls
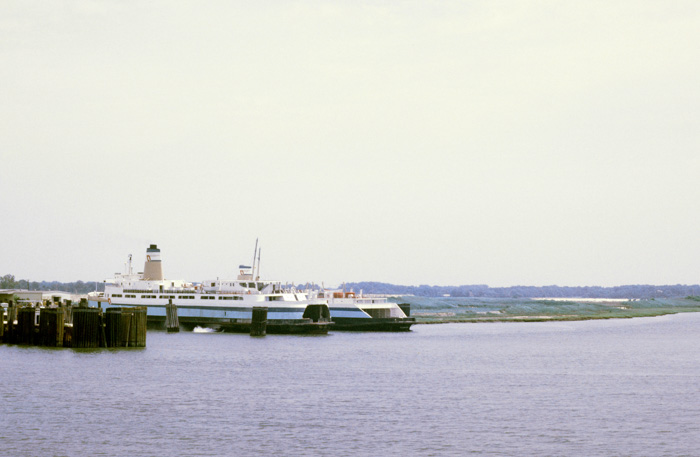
(608, 388)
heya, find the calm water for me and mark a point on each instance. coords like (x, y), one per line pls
(622, 387)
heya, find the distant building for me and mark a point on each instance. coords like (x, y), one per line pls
(22, 296)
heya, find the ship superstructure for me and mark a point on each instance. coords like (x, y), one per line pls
(218, 303)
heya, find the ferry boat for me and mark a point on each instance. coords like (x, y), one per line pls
(350, 311)
(219, 304)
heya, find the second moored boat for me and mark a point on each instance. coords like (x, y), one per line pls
(350, 311)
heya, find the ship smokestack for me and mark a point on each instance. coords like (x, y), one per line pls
(153, 270)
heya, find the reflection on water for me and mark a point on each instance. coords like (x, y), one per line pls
(619, 387)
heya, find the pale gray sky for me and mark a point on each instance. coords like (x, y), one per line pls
(499, 143)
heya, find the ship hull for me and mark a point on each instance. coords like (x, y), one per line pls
(389, 324)
(190, 317)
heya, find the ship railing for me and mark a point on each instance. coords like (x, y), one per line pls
(155, 291)
(233, 292)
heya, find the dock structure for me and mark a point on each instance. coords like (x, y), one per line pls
(172, 324)
(63, 325)
(115, 332)
(258, 324)
(51, 327)
(86, 327)
(26, 323)
(134, 320)
(11, 318)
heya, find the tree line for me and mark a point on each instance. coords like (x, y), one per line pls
(628, 291)
(78, 287)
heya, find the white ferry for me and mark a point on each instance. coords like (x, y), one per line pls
(220, 304)
(350, 311)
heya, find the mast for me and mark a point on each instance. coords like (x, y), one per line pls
(258, 277)
(255, 252)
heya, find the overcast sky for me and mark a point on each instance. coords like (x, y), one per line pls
(445, 143)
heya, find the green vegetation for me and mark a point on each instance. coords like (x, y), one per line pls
(79, 287)
(432, 310)
(483, 291)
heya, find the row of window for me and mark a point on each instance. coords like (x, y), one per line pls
(250, 285)
(184, 297)
(191, 297)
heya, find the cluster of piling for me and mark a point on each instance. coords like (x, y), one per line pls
(65, 325)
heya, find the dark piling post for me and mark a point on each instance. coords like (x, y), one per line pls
(103, 337)
(86, 328)
(68, 311)
(258, 325)
(26, 317)
(172, 324)
(134, 320)
(2, 324)
(114, 330)
(11, 313)
(406, 308)
(51, 327)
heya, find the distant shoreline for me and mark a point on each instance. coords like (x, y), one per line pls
(443, 311)
(477, 320)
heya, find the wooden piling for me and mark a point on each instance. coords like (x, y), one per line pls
(172, 324)
(86, 328)
(11, 316)
(26, 317)
(103, 337)
(115, 329)
(51, 327)
(68, 312)
(258, 324)
(134, 320)
(2, 324)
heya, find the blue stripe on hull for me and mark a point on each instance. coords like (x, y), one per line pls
(210, 312)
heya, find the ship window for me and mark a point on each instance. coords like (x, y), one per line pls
(213, 284)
